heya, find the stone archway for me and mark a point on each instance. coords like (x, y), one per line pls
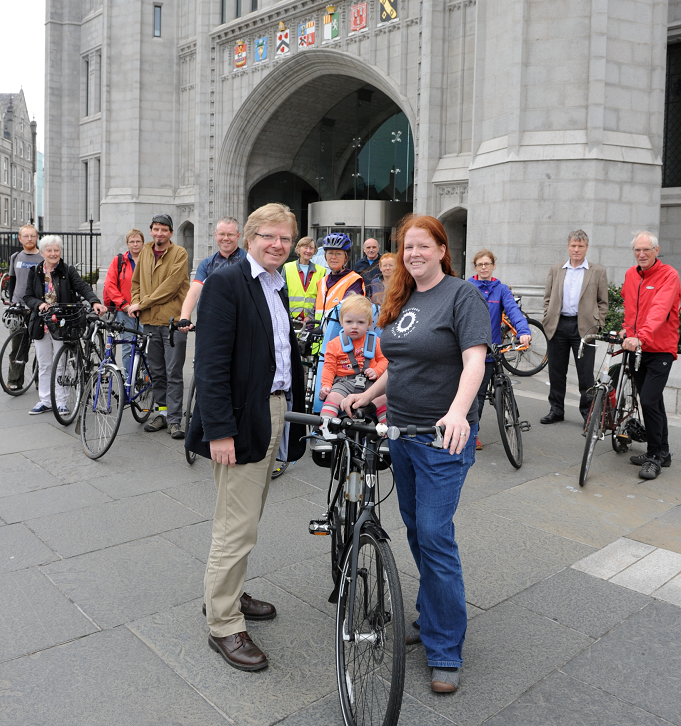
(278, 88)
(455, 222)
(185, 238)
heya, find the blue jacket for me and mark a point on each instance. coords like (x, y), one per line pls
(500, 298)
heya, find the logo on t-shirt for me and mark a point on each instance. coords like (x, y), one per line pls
(405, 323)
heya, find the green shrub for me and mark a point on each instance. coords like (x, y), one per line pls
(615, 317)
(91, 277)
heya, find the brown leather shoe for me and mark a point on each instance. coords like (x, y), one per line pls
(257, 609)
(239, 651)
(254, 609)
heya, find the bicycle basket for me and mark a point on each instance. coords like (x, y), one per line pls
(67, 323)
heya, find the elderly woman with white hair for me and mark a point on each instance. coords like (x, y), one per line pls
(50, 282)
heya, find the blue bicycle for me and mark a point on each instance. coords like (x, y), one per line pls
(106, 395)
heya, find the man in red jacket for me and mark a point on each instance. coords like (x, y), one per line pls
(651, 293)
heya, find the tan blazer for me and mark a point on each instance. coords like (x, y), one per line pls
(593, 299)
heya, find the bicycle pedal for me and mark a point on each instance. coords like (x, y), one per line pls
(624, 439)
(525, 426)
(320, 527)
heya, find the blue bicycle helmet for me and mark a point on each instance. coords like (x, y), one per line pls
(337, 241)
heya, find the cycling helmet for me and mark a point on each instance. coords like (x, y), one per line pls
(337, 241)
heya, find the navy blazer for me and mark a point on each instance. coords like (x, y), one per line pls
(234, 368)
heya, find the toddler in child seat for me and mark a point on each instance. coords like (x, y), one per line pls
(351, 371)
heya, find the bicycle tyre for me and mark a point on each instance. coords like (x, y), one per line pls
(530, 361)
(622, 411)
(101, 411)
(509, 426)
(341, 515)
(71, 378)
(370, 672)
(143, 405)
(592, 434)
(4, 287)
(31, 364)
(191, 399)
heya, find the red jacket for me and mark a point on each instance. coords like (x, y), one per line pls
(117, 287)
(651, 307)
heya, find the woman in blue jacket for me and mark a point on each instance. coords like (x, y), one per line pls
(499, 299)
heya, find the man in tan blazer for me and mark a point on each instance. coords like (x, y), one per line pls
(575, 302)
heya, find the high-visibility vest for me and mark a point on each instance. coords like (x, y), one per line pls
(300, 301)
(327, 299)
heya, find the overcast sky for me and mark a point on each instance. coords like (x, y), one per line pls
(22, 55)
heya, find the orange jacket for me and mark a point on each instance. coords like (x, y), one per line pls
(337, 363)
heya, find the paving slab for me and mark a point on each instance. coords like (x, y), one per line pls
(11, 418)
(595, 515)
(128, 581)
(66, 497)
(559, 700)
(105, 525)
(659, 533)
(501, 557)
(650, 572)
(35, 615)
(298, 643)
(638, 662)
(581, 602)
(507, 650)
(327, 711)
(194, 539)
(144, 480)
(20, 548)
(614, 558)
(671, 592)
(107, 679)
(199, 496)
(32, 437)
(19, 475)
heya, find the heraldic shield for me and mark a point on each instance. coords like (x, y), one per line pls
(388, 11)
(261, 49)
(358, 17)
(282, 41)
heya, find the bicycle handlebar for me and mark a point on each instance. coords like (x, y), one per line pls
(173, 326)
(612, 339)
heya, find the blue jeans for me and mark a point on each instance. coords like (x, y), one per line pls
(428, 483)
(126, 348)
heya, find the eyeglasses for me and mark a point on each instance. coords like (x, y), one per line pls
(274, 238)
(484, 264)
(644, 249)
(231, 235)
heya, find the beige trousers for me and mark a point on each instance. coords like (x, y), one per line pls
(242, 492)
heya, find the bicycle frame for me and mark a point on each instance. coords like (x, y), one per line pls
(131, 373)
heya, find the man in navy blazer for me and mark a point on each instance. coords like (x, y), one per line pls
(248, 374)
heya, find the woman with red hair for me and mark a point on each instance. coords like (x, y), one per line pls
(436, 329)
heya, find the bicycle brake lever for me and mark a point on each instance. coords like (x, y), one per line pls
(439, 440)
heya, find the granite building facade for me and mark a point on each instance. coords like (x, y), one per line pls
(526, 118)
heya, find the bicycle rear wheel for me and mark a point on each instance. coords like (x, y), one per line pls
(101, 411)
(142, 393)
(624, 407)
(593, 433)
(370, 661)
(530, 361)
(17, 378)
(67, 375)
(509, 426)
(191, 399)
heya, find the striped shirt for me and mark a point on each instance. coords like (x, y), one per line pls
(271, 284)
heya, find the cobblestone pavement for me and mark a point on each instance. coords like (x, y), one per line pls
(574, 594)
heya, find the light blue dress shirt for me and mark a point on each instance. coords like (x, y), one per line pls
(572, 287)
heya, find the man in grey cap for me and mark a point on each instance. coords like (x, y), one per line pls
(159, 286)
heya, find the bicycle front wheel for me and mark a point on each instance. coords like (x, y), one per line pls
(66, 384)
(624, 409)
(509, 426)
(16, 377)
(191, 399)
(530, 361)
(370, 660)
(142, 403)
(101, 411)
(593, 433)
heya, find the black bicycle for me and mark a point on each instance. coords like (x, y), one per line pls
(370, 633)
(614, 405)
(500, 395)
(18, 362)
(82, 351)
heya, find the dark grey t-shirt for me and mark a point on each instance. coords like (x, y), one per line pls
(19, 266)
(423, 347)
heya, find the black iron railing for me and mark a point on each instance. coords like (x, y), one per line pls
(78, 248)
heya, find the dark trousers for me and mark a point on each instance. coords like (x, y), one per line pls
(482, 391)
(165, 366)
(650, 380)
(566, 339)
